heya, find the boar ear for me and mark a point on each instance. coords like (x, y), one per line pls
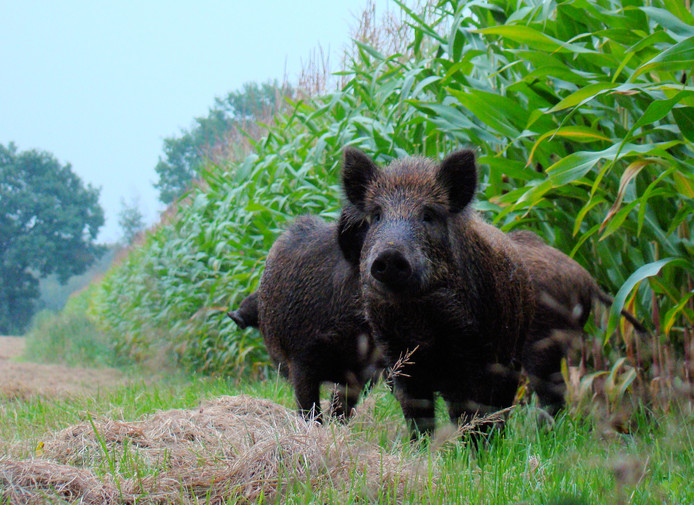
(458, 175)
(357, 172)
(351, 230)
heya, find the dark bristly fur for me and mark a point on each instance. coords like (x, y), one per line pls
(564, 296)
(435, 277)
(246, 316)
(309, 312)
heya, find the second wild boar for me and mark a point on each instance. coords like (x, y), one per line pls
(564, 296)
(309, 312)
(439, 283)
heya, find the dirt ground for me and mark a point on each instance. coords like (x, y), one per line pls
(25, 380)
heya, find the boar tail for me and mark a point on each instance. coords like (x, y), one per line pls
(247, 313)
(608, 300)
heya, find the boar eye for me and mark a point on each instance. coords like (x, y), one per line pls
(428, 216)
(376, 216)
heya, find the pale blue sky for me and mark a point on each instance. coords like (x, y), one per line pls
(101, 84)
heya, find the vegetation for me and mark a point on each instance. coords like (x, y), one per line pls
(219, 135)
(134, 444)
(582, 115)
(70, 336)
(48, 223)
(54, 294)
(130, 220)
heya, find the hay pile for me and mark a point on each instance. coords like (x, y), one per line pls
(228, 448)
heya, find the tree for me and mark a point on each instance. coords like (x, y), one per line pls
(254, 101)
(48, 223)
(130, 220)
(185, 154)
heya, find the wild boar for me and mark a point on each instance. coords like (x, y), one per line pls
(309, 312)
(564, 296)
(437, 281)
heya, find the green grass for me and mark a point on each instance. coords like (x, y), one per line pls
(73, 339)
(71, 336)
(576, 461)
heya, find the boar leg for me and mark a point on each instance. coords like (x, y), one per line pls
(347, 392)
(489, 391)
(417, 403)
(306, 390)
(542, 361)
(339, 402)
(344, 399)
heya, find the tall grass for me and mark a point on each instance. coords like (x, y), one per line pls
(71, 336)
(583, 117)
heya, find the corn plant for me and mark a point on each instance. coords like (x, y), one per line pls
(582, 114)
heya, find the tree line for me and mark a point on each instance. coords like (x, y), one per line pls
(222, 134)
(49, 218)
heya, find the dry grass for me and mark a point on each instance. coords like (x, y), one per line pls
(386, 31)
(25, 380)
(239, 448)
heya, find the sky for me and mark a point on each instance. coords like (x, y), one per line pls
(101, 84)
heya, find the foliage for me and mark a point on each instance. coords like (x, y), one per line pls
(54, 294)
(70, 336)
(48, 222)
(130, 220)
(582, 118)
(253, 101)
(185, 154)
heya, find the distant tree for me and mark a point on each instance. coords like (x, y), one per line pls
(130, 219)
(253, 101)
(54, 294)
(48, 223)
(185, 154)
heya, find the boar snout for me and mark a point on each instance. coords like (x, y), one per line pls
(392, 268)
